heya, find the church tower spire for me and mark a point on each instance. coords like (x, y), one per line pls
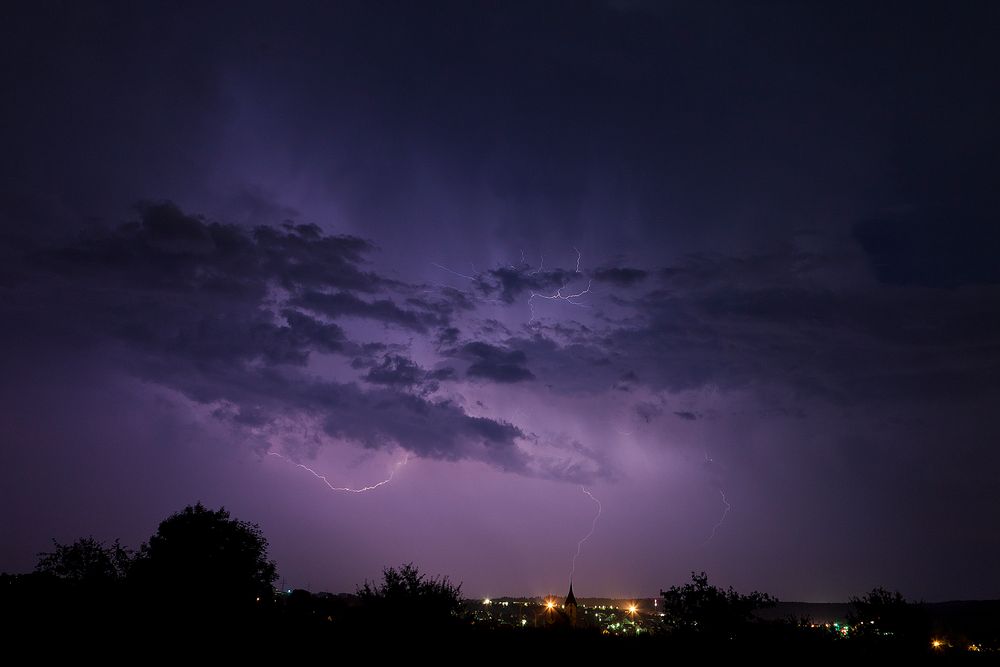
(570, 605)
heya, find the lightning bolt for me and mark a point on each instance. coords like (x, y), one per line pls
(722, 518)
(593, 527)
(469, 293)
(344, 489)
(460, 275)
(557, 297)
(541, 263)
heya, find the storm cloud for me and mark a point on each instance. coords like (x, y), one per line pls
(232, 318)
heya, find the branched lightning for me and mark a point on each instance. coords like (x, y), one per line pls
(558, 296)
(593, 527)
(392, 471)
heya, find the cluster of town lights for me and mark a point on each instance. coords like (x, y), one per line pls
(633, 608)
(551, 604)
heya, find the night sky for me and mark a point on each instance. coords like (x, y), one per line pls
(731, 267)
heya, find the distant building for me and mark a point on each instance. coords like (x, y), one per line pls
(552, 616)
(570, 606)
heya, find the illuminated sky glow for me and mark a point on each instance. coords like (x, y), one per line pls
(470, 260)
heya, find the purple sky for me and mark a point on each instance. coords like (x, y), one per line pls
(349, 234)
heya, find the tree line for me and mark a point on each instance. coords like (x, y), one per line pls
(203, 568)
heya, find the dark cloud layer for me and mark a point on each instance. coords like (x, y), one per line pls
(495, 363)
(620, 276)
(509, 283)
(342, 304)
(186, 292)
(398, 371)
(194, 303)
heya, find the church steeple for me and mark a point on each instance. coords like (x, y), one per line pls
(570, 606)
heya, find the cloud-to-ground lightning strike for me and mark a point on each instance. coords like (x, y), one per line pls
(708, 462)
(722, 518)
(593, 527)
(344, 489)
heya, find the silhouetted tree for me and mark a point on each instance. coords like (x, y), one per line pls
(407, 597)
(86, 562)
(888, 616)
(700, 609)
(82, 583)
(204, 562)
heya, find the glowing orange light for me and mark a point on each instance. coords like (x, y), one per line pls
(550, 605)
(937, 643)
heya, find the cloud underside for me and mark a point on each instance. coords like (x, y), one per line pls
(243, 319)
(234, 318)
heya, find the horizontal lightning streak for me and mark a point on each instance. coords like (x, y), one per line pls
(558, 296)
(445, 268)
(345, 489)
